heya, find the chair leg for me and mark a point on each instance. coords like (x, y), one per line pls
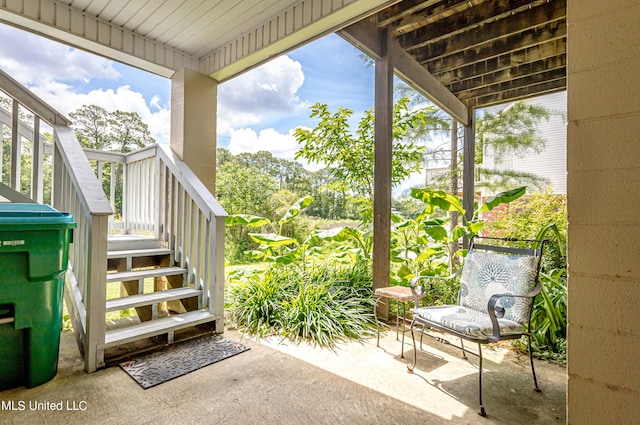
(404, 321)
(375, 315)
(410, 367)
(464, 354)
(533, 370)
(482, 412)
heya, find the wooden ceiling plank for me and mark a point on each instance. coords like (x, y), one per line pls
(494, 77)
(111, 9)
(434, 14)
(465, 21)
(400, 10)
(513, 84)
(518, 94)
(500, 48)
(548, 14)
(505, 61)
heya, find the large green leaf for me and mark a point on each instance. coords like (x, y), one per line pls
(503, 198)
(338, 234)
(254, 254)
(247, 220)
(436, 221)
(295, 209)
(438, 233)
(271, 239)
(438, 199)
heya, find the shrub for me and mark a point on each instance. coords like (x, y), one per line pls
(525, 219)
(323, 304)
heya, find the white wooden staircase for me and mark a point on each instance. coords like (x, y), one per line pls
(166, 262)
(168, 305)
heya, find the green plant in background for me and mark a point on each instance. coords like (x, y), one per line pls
(323, 304)
(423, 245)
(542, 216)
(273, 246)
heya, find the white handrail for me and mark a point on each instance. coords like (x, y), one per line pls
(78, 191)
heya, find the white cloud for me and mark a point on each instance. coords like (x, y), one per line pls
(62, 97)
(60, 75)
(279, 144)
(269, 89)
(32, 59)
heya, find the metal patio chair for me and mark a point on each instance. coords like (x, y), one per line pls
(498, 285)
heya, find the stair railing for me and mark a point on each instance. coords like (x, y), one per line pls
(163, 198)
(77, 191)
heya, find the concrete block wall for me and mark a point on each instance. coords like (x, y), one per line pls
(603, 164)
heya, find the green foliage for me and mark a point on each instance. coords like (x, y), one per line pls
(273, 246)
(350, 155)
(324, 304)
(543, 216)
(524, 219)
(513, 129)
(425, 246)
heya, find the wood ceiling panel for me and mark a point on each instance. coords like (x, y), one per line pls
(484, 51)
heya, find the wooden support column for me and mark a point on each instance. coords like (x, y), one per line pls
(382, 169)
(468, 174)
(194, 98)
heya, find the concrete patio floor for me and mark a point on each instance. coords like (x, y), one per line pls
(285, 383)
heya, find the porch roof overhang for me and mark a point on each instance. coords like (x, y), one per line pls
(462, 54)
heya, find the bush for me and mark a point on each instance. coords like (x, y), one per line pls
(525, 219)
(322, 304)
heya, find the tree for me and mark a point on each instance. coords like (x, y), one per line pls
(127, 130)
(350, 156)
(91, 124)
(117, 131)
(512, 130)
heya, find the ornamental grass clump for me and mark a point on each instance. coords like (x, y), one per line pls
(323, 304)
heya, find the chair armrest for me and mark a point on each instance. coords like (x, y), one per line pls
(498, 312)
(418, 290)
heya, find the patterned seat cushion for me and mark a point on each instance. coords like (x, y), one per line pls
(466, 320)
(487, 273)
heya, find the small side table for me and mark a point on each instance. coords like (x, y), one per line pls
(401, 294)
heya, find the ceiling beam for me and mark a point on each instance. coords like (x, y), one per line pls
(62, 22)
(366, 36)
(464, 21)
(506, 74)
(512, 84)
(505, 61)
(514, 46)
(544, 17)
(434, 13)
(518, 93)
(402, 10)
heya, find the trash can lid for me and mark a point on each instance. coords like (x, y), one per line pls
(30, 214)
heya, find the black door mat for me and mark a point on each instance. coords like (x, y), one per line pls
(179, 359)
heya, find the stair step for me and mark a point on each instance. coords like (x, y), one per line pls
(155, 327)
(142, 274)
(152, 298)
(130, 242)
(138, 253)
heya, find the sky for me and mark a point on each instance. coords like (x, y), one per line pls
(329, 70)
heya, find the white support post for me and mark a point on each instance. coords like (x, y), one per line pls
(37, 183)
(16, 148)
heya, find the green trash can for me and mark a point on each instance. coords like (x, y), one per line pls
(34, 246)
